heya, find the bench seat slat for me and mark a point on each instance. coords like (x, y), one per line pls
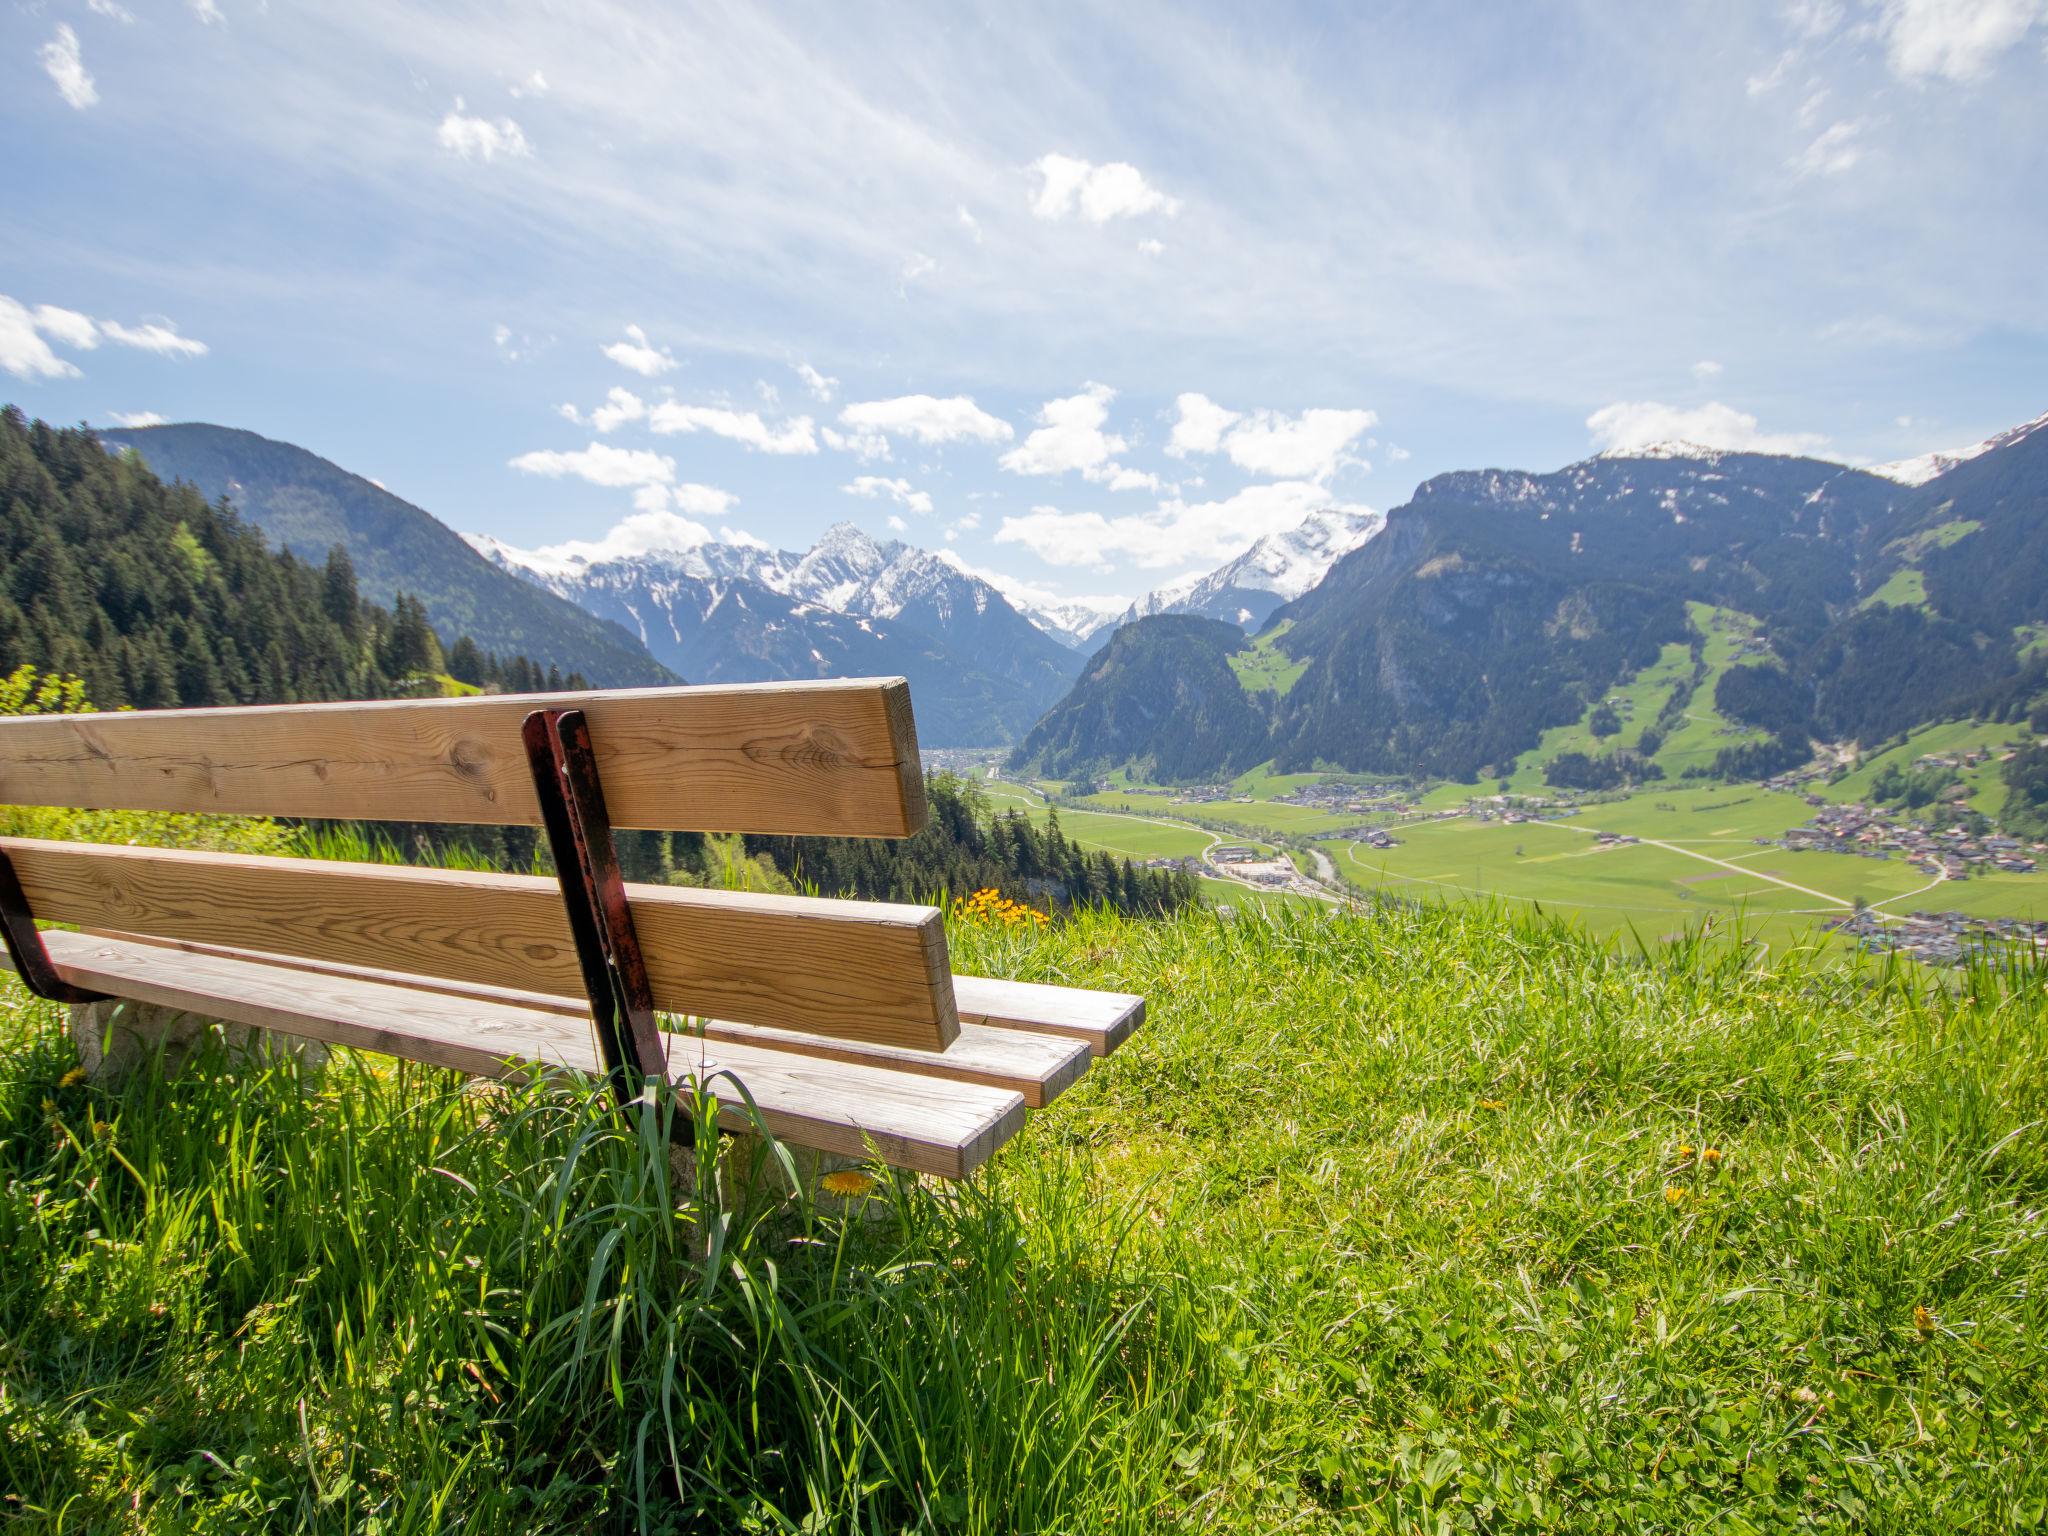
(1103, 1019)
(1039, 1066)
(930, 1125)
(873, 971)
(828, 758)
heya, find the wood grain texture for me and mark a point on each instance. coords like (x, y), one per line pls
(835, 758)
(872, 971)
(1104, 1019)
(931, 1126)
(1040, 1066)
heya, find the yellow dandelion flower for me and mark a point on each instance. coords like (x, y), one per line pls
(1685, 1149)
(1710, 1154)
(848, 1183)
(1923, 1320)
(101, 1130)
(72, 1078)
(49, 1106)
(1492, 1104)
(1674, 1194)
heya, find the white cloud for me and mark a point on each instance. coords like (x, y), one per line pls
(1151, 247)
(1199, 425)
(600, 464)
(1397, 455)
(1026, 594)
(746, 427)
(136, 418)
(954, 419)
(156, 336)
(897, 525)
(1706, 368)
(112, 10)
(969, 223)
(1098, 193)
(872, 487)
(1629, 426)
(652, 529)
(1956, 39)
(1174, 533)
(65, 65)
(208, 12)
(620, 406)
(820, 385)
(865, 446)
(1119, 477)
(482, 138)
(23, 352)
(1070, 436)
(1833, 152)
(535, 84)
(1310, 446)
(67, 326)
(636, 353)
(968, 523)
(1813, 18)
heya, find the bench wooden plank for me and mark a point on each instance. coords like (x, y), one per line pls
(931, 1126)
(1103, 1019)
(832, 758)
(1038, 1066)
(873, 971)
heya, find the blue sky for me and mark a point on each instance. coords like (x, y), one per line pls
(1090, 296)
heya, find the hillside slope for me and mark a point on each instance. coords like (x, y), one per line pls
(308, 505)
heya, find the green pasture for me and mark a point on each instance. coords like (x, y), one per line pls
(1262, 667)
(1984, 783)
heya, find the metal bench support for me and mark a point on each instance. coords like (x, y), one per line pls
(580, 837)
(25, 944)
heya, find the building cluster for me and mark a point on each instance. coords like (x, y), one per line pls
(1873, 832)
(1942, 938)
(1338, 795)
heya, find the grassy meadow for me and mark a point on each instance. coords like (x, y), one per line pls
(1438, 1219)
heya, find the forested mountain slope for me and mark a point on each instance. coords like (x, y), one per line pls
(308, 505)
(157, 598)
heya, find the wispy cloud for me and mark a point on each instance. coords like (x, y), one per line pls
(482, 138)
(927, 419)
(64, 63)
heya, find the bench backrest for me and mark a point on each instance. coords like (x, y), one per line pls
(835, 758)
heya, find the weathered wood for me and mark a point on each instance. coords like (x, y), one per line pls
(873, 971)
(1103, 1019)
(836, 758)
(1040, 1066)
(931, 1126)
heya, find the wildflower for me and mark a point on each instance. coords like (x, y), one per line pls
(1674, 1194)
(1710, 1154)
(848, 1183)
(101, 1130)
(1924, 1321)
(1491, 1104)
(1685, 1149)
(72, 1078)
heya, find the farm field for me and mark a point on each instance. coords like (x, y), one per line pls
(1985, 785)
(1132, 837)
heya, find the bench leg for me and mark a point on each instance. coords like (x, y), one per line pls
(115, 1035)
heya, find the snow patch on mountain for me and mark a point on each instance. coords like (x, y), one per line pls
(1276, 569)
(1924, 467)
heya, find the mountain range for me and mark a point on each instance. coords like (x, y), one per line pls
(1498, 603)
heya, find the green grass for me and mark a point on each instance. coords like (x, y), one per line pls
(1380, 1224)
(1904, 588)
(1985, 782)
(1703, 731)
(1262, 667)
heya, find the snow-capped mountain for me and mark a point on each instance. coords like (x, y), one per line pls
(1275, 570)
(1924, 467)
(981, 672)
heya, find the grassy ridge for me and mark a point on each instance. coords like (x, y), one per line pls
(1378, 1223)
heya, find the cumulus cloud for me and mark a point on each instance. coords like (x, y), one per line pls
(874, 487)
(620, 406)
(136, 418)
(535, 84)
(1027, 594)
(927, 419)
(160, 337)
(1199, 425)
(600, 464)
(1097, 193)
(820, 385)
(651, 530)
(865, 446)
(1629, 426)
(1956, 39)
(64, 63)
(1174, 533)
(482, 138)
(638, 354)
(745, 427)
(67, 326)
(1311, 446)
(1833, 152)
(1069, 436)
(23, 351)
(897, 525)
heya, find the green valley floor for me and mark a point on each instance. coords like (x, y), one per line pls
(1437, 1219)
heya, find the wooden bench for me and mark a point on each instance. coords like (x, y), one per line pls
(843, 1019)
